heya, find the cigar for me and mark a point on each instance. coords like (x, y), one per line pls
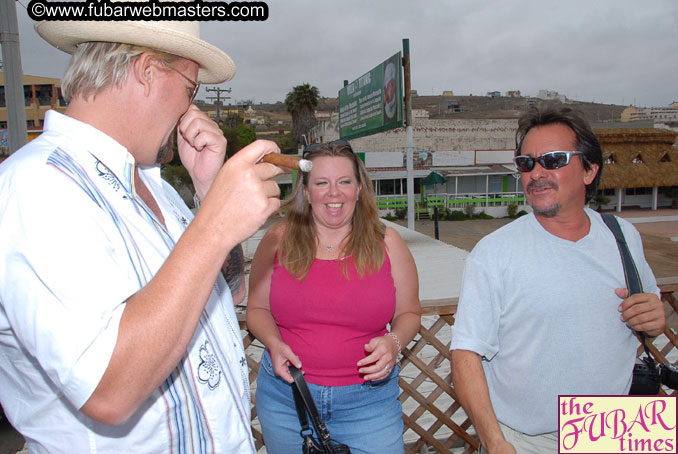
(291, 162)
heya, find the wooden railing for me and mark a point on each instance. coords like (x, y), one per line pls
(434, 420)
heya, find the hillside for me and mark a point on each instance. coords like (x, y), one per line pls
(469, 107)
(454, 107)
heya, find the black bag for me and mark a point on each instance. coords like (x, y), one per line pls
(304, 402)
(646, 380)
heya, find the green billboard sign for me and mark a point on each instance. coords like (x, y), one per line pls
(372, 103)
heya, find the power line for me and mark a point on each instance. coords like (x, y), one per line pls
(218, 98)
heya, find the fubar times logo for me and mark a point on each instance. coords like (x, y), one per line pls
(617, 424)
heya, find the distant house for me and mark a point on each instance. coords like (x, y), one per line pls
(494, 94)
(657, 114)
(548, 94)
(513, 94)
(40, 95)
(323, 115)
(634, 114)
(420, 113)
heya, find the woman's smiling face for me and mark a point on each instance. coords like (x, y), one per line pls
(332, 190)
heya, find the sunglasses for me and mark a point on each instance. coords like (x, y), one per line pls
(196, 85)
(316, 146)
(550, 161)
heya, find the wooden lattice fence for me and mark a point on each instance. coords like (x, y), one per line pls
(434, 420)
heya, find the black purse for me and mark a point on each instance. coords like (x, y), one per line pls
(304, 403)
(646, 380)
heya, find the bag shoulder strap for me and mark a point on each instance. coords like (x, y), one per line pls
(630, 271)
(301, 412)
(304, 402)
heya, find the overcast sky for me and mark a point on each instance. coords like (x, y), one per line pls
(608, 51)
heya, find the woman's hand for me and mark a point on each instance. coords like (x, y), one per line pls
(383, 355)
(282, 356)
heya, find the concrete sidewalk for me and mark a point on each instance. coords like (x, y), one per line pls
(663, 222)
(658, 229)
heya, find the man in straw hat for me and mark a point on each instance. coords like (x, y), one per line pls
(544, 309)
(117, 328)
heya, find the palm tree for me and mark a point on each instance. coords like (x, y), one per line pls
(301, 103)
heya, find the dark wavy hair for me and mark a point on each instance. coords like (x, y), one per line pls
(586, 140)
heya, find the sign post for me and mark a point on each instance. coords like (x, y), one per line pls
(409, 135)
(374, 103)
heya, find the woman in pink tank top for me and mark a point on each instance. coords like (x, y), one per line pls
(326, 284)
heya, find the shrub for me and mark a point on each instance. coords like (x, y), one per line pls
(443, 214)
(482, 215)
(390, 217)
(512, 210)
(469, 210)
(599, 200)
(521, 213)
(456, 215)
(400, 213)
(672, 193)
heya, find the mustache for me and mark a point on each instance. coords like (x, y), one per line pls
(536, 184)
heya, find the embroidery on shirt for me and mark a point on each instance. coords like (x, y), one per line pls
(181, 218)
(178, 216)
(108, 176)
(208, 369)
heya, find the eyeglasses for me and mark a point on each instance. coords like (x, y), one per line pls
(550, 161)
(316, 146)
(196, 85)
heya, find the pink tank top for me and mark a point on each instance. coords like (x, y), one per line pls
(327, 319)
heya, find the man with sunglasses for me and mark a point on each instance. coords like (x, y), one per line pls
(117, 327)
(543, 308)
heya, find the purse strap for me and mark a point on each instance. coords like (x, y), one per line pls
(304, 403)
(630, 271)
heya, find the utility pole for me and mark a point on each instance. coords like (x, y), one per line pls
(14, 93)
(218, 99)
(409, 135)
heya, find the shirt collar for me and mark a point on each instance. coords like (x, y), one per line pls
(85, 138)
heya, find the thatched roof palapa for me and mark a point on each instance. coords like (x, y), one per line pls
(638, 158)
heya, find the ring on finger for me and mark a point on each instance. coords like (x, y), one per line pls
(388, 369)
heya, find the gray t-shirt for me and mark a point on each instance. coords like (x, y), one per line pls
(543, 313)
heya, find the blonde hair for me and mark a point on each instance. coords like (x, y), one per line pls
(365, 241)
(97, 65)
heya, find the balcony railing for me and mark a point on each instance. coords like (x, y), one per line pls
(452, 201)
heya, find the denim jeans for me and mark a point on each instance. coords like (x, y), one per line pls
(367, 417)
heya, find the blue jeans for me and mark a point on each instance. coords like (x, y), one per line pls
(367, 417)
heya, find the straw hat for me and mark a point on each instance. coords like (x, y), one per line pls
(181, 38)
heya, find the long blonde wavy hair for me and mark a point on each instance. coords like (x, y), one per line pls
(365, 241)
